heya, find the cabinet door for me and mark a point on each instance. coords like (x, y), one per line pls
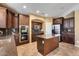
(65, 38)
(68, 38)
(15, 22)
(66, 24)
(71, 23)
(40, 45)
(2, 17)
(58, 21)
(23, 20)
(9, 19)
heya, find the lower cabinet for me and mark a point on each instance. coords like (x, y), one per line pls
(68, 38)
(16, 40)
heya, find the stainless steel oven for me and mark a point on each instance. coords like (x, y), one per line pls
(23, 33)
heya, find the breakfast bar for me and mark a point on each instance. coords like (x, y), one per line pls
(47, 43)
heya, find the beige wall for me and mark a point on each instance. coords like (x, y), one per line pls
(77, 28)
(48, 26)
(69, 15)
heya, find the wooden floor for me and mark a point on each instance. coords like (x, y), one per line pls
(64, 49)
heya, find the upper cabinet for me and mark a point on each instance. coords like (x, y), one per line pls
(6, 18)
(15, 21)
(10, 19)
(3, 17)
(68, 23)
(23, 20)
(58, 20)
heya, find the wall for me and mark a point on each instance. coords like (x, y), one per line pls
(77, 28)
(69, 15)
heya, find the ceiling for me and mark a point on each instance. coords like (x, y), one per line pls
(45, 9)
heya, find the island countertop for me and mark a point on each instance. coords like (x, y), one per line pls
(48, 36)
(5, 37)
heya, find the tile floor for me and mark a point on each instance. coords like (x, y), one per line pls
(64, 49)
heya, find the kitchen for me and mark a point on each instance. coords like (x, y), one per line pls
(31, 28)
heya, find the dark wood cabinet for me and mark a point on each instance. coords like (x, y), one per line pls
(58, 20)
(6, 18)
(10, 19)
(23, 20)
(46, 45)
(15, 21)
(68, 34)
(68, 23)
(3, 17)
(68, 38)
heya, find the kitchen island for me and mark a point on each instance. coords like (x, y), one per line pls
(47, 43)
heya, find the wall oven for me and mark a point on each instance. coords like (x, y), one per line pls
(23, 33)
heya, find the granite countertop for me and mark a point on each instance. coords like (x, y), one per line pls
(5, 37)
(7, 46)
(48, 36)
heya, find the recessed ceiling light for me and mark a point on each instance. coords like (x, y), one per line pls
(37, 11)
(24, 6)
(46, 14)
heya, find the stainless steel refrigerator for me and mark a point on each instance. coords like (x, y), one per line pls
(57, 30)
